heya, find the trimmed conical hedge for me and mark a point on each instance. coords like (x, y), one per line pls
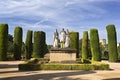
(3, 41)
(74, 42)
(17, 42)
(112, 43)
(85, 52)
(28, 44)
(39, 44)
(95, 45)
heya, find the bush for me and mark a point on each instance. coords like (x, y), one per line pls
(85, 52)
(97, 66)
(55, 67)
(95, 45)
(17, 42)
(32, 61)
(74, 42)
(100, 65)
(3, 41)
(112, 43)
(25, 66)
(85, 61)
(28, 45)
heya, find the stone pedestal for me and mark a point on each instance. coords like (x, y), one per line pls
(62, 55)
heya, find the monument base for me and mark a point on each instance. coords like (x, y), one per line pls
(62, 55)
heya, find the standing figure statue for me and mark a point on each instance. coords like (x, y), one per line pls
(67, 41)
(62, 38)
(56, 39)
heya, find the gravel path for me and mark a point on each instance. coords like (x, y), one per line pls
(9, 71)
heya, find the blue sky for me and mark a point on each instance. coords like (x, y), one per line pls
(48, 15)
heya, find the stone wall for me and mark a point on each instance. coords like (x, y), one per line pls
(63, 55)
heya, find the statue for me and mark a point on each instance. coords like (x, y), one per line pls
(56, 39)
(62, 38)
(67, 40)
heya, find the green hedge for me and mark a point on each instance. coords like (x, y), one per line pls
(100, 65)
(35, 60)
(39, 45)
(17, 42)
(95, 45)
(74, 42)
(28, 44)
(85, 52)
(112, 43)
(26, 66)
(3, 41)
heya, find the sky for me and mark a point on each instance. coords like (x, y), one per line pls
(48, 15)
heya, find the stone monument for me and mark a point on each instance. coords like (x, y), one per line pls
(62, 54)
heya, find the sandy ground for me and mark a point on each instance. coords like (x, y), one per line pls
(9, 71)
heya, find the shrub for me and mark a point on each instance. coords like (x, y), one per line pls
(97, 66)
(17, 42)
(74, 42)
(112, 43)
(32, 61)
(85, 52)
(100, 65)
(95, 46)
(3, 41)
(86, 61)
(28, 44)
(39, 46)
(82, 67)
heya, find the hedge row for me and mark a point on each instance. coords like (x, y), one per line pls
(85, 52)
(112, 43)
(17, 42)
(26, 66)
(74, 42)
(3, 41)
(39, 46)
(95, 45)
(28, 44)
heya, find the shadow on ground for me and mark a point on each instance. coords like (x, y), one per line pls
(112, 79)
(48, 76)
(8, 66)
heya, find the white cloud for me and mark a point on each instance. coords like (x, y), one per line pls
(50, 14)
(51, 9)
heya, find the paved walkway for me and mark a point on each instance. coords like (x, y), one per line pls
(9, 71)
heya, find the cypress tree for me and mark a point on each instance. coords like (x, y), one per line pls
(3, 41)
(28, 44)
(39, 44)
(85, 52)
(17, 42)
(74, 42)
(95, 45)
(112, 43)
